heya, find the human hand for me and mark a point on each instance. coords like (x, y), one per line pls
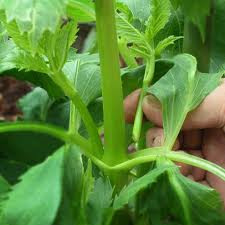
(203, 133)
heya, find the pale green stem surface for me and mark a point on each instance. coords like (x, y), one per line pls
(51, 130)
(140, 157)
(114, 123)
(74, 117)
(149, 73)
(72, 93)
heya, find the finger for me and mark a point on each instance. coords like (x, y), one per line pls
(209, 114)
(192, 139)
(214, 151)
(130, 106)
(197, 173)
(184, 168)
(155, 138)
(191, 177)
(204, 183)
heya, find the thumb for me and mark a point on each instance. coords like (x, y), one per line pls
(210, 113)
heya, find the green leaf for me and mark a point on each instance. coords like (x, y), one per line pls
(35, 105)
(132, 79)
(182, 88)
(21, 39)
(196, 12)
(200, 204)
(56, 46)
(4, 186)
(14, 146)
(218, 40)
(12, 170)
(34, 17)
(26, 203)
(90, 43)
(133, 188)
(175, 3)
(72, 187)
(132, 35)
(3, 33)
(175, 198)
(159, 16)
(88, 185)
(88, 81)
(140, 9)
(4, 189)
(81, 10)
(99, 211)
(12, 57)
(162, 45)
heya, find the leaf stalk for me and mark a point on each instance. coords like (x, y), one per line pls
(149, 73)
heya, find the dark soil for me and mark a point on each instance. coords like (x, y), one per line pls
(10, 91)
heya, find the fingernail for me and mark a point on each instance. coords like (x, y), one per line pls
(158, 141)
(152, 101)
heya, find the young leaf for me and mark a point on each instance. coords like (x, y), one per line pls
(36, 198)
(162, 45)
(56, 46)
(126, 30)
(34, 17)
(21, 39)
(132, 189)
(159, 16)
(12, 57)
(181, 88)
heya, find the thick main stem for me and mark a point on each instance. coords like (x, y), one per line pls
(114, 124)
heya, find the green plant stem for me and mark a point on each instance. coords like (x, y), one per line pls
(195, 45)
(114, 124)
(51, 130)
(74, 117)
(60, 79)
(140, 157)
(149, 154)
(149, 73)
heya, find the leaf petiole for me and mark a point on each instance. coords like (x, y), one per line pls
(149, 73)
(61, 79)
(74, 116)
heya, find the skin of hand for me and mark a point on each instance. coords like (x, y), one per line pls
(202, 135)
